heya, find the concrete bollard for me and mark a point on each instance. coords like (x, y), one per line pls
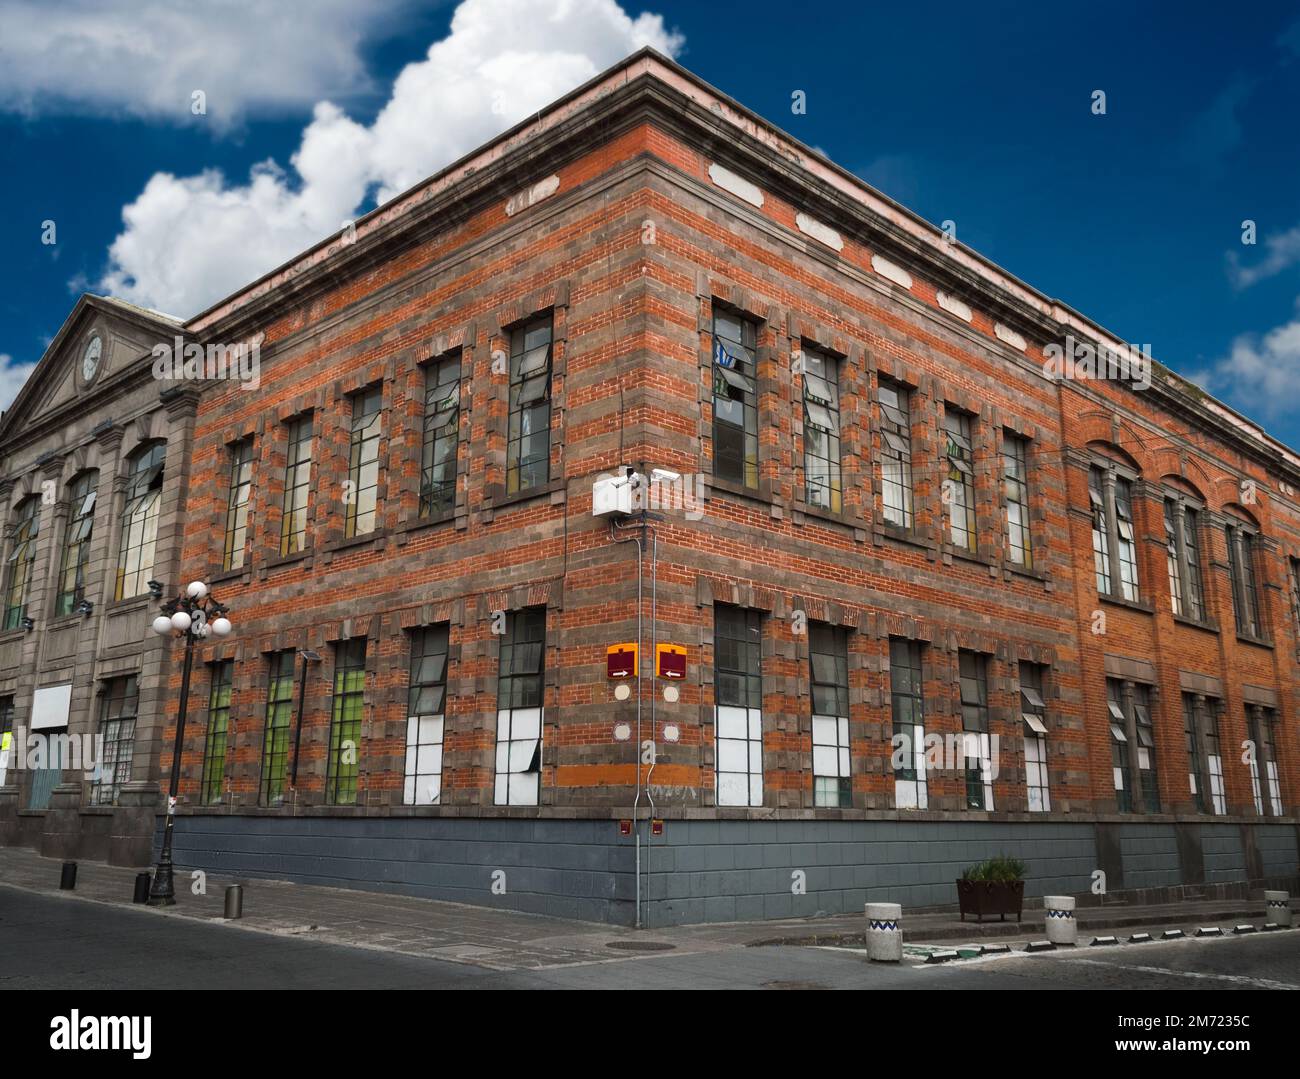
(885, 932)
(1277, 907)
(235, 901)
(1061, 926)
(68, 877)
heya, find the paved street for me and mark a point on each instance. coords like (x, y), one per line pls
(53, 941)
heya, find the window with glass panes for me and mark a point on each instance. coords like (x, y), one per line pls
(1127, 546)
(140, 520)
(959, 486)
(8, 751)
(828, 654)
(237, 500)
(1263, 762)
(1033, 713)
(520, 708)
(1015, 474)
(821, 431)
(1146, 747)
(528, 440)
(907, 708)
(1100, 531)
(18, 571)
(1214, 756)
(215, 740)
(1119, 747)
(976, 748)
(1183, 561)
(276, 730)
(297, 486)
(347, 712)
(1295, 594)
(1241, 570)
(441, 437)
(738, 707)
(82, 493)
(735, 400)
(363, 462)
(1195, 763)
(117, 714)
(425, 716)
(895, 453)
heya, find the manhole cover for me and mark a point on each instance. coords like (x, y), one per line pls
(640, 945)
(792, 985)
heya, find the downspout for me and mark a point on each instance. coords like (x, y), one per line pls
(640, 563)
(654, 693)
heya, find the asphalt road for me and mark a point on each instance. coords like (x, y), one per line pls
(52, 942)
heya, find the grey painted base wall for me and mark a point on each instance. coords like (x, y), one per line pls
(711, 871)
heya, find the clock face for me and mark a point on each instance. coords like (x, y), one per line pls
(90, 358)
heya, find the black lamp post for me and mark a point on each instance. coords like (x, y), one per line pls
(197, 614)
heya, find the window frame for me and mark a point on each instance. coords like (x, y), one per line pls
(738, 701)
(347, 718)
(426, 716)
(1243, 575)
(273, 782)
(521, 708)
(216, 738)
(959, 452)
(973, 686)
(734, 370)
(238, 501)
(442, 383)
(896, 447)
(365, 438)
(83, 493)
(828, 693)
(1032, 681)
(1015, 480)
(820, 376)
(21, 561)
(905, 655)
(295, 500)
(141, 514)
(528, 404)
(117, 730)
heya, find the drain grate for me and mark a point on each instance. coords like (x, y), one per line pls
(640, 945)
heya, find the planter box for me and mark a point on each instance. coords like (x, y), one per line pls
(1000, 897)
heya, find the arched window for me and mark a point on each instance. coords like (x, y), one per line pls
(140, 520)
(76, 543)
(18, 571)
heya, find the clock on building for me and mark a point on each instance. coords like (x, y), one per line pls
(90, 359)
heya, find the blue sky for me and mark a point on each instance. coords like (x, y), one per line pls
(979, 114)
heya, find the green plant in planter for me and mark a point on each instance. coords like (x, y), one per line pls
(1001, 868)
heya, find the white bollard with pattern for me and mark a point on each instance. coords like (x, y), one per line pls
(885, 932)
(1061, 926)
(1277, 907)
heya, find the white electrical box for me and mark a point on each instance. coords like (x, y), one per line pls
(616, 495)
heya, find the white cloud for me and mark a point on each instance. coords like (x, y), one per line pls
(1261, 372)
(147, 57)
(189, 241)
(12, 377)
(1283, 252)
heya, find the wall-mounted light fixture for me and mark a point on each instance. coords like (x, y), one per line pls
(156, 589)
(85, 607)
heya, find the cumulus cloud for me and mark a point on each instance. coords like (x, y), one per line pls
(1281, 252)
(188, 241)
(12, 377)
(1261, 372)
(147, 57)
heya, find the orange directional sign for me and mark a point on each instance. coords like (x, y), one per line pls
(670, 661)
(620, 660)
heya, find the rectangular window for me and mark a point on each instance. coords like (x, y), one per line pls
(117, 713)
(18, 571)
(1295, 594)
(441, 437)
(976, 748)
(345, 721)
(907, 704)
(363, 462)
(1128, 578)
(297, 485)
(1192, 740)
(1033, 713)
(140, 520)
(1266, 752)
(1100, 532)
(1119, 750)
(959, 488)
(1015, 471)
(276, 732)
(237, 501)
(8, 752)
(828, 652)
(1241, 568)
(218, 733)
(425, 713)
(1146, 747)
(1192, 575)
(1204, 759)
(821, 430)
(528, 443)
(738, 718)
(1173, 562)
(520, 708)
(1214, 757)
(895, 453)
(735, 401)
(76, 547)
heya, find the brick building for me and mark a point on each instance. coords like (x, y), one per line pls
(881, 530)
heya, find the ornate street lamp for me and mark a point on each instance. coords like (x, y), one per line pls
(196, 614)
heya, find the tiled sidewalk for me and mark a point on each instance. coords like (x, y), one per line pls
(510, 940)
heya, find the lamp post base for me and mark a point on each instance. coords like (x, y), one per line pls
(162, 892)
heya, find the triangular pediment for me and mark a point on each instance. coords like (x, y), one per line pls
(100, 339)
